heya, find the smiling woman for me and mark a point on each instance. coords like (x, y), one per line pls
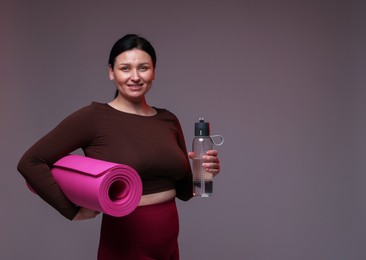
(127, 131)
(133, 73)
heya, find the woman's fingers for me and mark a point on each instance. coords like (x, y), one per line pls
(211, 161)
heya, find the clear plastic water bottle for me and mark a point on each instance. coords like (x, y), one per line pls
(202, 142)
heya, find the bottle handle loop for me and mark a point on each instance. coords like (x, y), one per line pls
(220, 139)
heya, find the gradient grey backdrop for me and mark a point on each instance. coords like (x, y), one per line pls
(283, 81)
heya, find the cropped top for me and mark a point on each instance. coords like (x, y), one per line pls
(153, 145)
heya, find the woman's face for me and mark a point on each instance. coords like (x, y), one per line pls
(133, 73)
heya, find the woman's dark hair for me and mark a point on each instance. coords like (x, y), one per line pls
(129, 42)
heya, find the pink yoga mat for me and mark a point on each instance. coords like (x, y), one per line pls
(111, 188)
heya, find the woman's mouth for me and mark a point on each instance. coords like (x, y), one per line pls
(135, 86)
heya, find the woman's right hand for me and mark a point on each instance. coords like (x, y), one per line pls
(84, 214)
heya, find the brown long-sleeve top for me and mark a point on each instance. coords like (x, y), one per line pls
(153, 145)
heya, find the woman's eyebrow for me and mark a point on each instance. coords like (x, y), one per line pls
(126, 63)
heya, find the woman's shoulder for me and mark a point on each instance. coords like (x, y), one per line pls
(165, 113)
(167, 116)
(94, 107)
(86, 111)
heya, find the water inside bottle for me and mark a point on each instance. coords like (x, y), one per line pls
(202, 180)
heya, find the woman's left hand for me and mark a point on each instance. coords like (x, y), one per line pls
(211, 161)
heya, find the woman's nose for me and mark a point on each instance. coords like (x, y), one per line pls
(135, 75)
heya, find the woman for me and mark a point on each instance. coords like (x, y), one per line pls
(128, 131)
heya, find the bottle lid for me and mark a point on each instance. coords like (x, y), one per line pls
(201, 128)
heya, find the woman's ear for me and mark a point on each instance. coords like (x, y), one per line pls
(110, 72)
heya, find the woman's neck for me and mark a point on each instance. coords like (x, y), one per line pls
(138, 108)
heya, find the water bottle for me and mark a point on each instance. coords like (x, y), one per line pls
(202, 142)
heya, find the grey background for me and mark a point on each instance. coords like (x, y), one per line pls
(283, 81)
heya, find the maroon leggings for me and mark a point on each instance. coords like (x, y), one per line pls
(148, 233)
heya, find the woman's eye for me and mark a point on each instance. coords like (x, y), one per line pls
(125, 68)
(144, 68)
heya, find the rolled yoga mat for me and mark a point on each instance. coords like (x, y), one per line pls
(111, 188)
